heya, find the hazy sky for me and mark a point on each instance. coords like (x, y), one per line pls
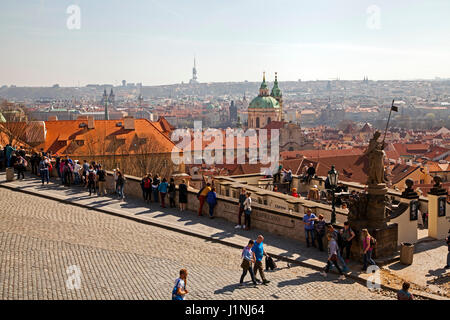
(154, 41)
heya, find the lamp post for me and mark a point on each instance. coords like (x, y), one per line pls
(333, 180)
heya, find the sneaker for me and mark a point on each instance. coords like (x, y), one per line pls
(237, 226)
(265, 281)
(257, 280)
(324, 274)
(342, 277)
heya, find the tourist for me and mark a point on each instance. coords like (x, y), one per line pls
(313, 194)
(308, 221)
(146, 186)
(120, 185)
(247, 211)
(182, 195)
(155, 185)
(91, 180)
(85, 172)
(347, 235)
(332, 257)
(319, 230)
(68, 171)
(162, 188)
(211, 199)
(248, 258)
(172, 192)
(115, 175)
(242, 198)
(43, 169)
(9, 150)
(448, 254)
(367, 249)
(258, 249)
(404, 293)
(202, 197)
(76, 172)
(34, 163)
(179, 290)
(338, 238)
(294, 193)
(101, 178)
(311, 172)
(277, 175)
(57, 165)
(21, 166)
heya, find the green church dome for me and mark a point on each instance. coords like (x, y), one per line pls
(264, 102)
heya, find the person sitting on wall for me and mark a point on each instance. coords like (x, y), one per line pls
(311, 172)
(294, 193)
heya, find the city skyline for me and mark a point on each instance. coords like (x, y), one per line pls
(232, 43)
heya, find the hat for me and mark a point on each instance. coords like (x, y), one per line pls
(315, 186)
(294, 189)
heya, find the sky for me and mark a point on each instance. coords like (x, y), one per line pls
(155, 41)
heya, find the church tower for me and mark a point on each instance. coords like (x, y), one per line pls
(105, 103)
(278, 95)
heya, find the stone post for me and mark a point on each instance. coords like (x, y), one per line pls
(438, 214)
(407, 221)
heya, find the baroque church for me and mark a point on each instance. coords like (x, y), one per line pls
(266, 108)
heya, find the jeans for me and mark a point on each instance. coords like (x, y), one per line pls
(155, 195)
(120, 190)
(368, 259)
(347, 246)
(163, 199)
(319, 238)
(44, 175)
(247, 220)
(211, 209)
(329, 262)
(258, 267)
(244, 273)
(309, 234)
(91, 187)
(76, 178)
(20, 171)
(241, 210)
(146, 193)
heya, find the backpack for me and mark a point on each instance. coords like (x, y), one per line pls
(373, 242)
(147, 184)
(270, 264)
(91, 176)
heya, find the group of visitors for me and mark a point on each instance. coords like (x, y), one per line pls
(14, 157)
(207, 194)
(154, 188)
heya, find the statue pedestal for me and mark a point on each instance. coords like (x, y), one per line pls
(438, 214)
(375, 220)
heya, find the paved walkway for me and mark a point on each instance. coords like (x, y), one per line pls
(217, 230)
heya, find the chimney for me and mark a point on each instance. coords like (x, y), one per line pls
(128, 123)
(91, 124)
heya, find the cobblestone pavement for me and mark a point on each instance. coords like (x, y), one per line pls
(121, 259)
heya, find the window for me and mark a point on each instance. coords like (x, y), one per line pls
(257, 122)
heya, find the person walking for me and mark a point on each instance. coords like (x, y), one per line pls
(182, 195)
(258, 249)
(120, 185)
(172, 192)
(347, 236)
(403, 293)
(101, 178)
(247, 211)
(336, 235)
(248, 258)
(44, 169)
(202, 197)
(242, 198)
(332, 257)
(367, 249)
(179, 290)
(320, 230)
(162, 188)
(155, 185)
(308, 221)
(211, 199)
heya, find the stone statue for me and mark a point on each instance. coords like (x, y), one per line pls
(376, 155)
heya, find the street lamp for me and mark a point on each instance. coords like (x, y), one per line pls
(333, 180)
